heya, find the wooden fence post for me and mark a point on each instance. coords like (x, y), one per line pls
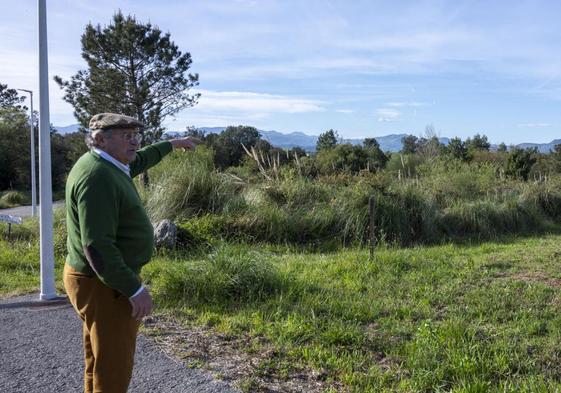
(10, 220)
(372, 226)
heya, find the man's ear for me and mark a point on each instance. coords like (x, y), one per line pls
(100, 139)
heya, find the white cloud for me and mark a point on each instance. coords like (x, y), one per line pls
(254, 103)
(222, 108)
(422, 41)
(406, 104)
(388, 114)
(534, 125)
(346, 111)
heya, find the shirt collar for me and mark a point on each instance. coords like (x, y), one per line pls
(103, 154)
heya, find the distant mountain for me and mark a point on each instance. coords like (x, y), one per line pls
(308, 142)
(542, 147)
(67, 129)
(390, 142)
(275, 138)
(293, 139)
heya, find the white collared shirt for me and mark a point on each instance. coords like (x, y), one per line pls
(103, 154)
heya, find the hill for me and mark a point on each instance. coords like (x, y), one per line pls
(390, 142)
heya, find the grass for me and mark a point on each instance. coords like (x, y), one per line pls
(20, 258)
(479, 318)
(461, 318)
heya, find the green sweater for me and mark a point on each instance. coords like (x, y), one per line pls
(109, 233)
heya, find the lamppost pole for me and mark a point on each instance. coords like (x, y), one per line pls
(48, 291)
(32, 139)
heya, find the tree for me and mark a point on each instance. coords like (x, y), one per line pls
(429, 146)
(9, 98)
(344, 157)
(457, 149)
(520, 162)
(133, 69)
(14, 144)
(409, 144)
(195, 132)
(556, 153)
(228, 145)
(297, 151)
(74, 147)
(377, 159)
(263, 146)
(478, 143)
(370, 143)
(327, 140)
(502, 148)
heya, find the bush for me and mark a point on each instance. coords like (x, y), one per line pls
(520, 162)
(14, 198)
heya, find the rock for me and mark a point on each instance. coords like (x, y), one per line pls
(165, 234)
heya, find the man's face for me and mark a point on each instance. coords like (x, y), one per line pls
(121, 144)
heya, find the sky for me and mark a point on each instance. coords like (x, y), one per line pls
(365, 68)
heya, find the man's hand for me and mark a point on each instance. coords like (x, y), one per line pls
(141, 304)
(188, 143)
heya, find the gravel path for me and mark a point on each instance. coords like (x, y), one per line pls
(41, 352)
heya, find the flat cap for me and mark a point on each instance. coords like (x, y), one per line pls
(105, 121)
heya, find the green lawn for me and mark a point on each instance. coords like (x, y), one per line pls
(481, 318)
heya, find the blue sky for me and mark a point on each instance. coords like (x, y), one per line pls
(365, 68)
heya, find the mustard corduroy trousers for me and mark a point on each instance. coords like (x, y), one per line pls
(109, 332)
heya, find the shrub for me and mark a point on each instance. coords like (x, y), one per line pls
(14, 198)
(520, 162)
(452, 180)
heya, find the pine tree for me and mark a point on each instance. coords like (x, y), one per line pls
(327, 140)
(133, 69)
(9, 98)
(410, 144)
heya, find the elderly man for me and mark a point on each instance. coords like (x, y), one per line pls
(110, 238)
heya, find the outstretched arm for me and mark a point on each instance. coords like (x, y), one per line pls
(153, 154)
(188, 143)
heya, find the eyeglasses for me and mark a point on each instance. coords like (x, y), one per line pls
(127, 136)
(131, 136)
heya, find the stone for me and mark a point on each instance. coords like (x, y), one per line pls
(165, 234)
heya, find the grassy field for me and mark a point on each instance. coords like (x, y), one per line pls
(461, 318)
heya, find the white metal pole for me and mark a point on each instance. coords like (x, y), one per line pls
(33, 177)
(48, 291)
(32, 150)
